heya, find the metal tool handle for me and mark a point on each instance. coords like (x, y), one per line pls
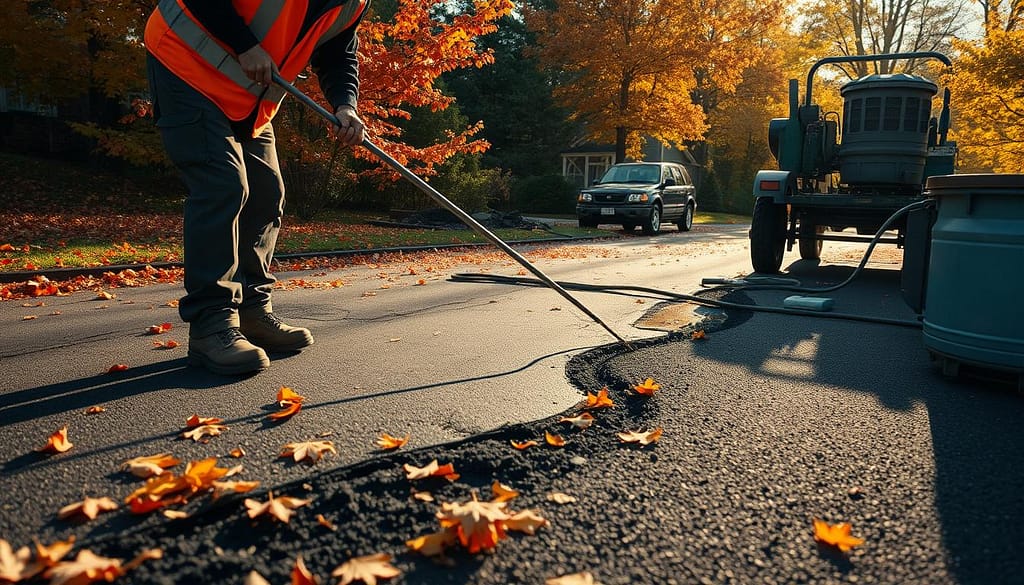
(447, 204)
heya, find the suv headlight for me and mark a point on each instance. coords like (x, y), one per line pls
(585, 197)
(637, 198)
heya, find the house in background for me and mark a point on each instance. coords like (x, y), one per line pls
(585, 162)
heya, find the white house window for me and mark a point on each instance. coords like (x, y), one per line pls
(582, 169)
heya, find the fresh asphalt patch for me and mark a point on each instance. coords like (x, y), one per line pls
(766, 426)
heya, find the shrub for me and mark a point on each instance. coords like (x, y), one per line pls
(544, 194)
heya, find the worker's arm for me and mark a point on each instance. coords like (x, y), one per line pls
(337, 68)
(223, 22)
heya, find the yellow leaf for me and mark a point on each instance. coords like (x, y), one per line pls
(582, 422)
(280, 508)
(386, 441)
(312, 450)
(837, 535)
(640, 437)
(366, 569)
(89, 507)
(647, 388)
(502, 493)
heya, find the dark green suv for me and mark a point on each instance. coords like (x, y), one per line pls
(643, 193)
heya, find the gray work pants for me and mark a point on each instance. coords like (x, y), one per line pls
(233, 209)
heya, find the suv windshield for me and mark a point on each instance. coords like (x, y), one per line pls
(648, 174)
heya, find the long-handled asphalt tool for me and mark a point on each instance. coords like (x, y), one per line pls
(447, 204)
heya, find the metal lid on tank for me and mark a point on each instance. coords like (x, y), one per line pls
(975, 181)
(890, 80)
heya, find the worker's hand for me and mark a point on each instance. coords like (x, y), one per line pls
(258, 65)
(350, 130)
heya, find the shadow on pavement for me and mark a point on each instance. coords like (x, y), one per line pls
(976, 427)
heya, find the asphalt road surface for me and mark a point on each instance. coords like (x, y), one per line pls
(768, 422)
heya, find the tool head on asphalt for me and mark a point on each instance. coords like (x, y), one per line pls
(455, 209)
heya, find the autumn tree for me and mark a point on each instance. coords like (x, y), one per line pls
(988, 88)
(870, 27)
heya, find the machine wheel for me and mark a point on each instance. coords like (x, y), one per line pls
(767, 236)
(685, 222)
(628, 227)
(588, 222)
(652, 225)
(811, 249)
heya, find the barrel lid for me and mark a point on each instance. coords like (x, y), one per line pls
(889, 80)
(975, 181)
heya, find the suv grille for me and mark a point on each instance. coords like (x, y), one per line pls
(609, 197)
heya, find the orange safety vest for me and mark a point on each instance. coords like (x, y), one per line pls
(181, 43)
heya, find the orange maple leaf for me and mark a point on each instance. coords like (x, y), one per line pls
(312, 450)
(521, 445)
(502, 493)
(837, 535)
(57, 442)
(386, 441)
(640, 437)
(158, 329)
(322, 521)
(432, 544)
(286, 394)
(197, 421)
(169, 344)
(601, 400)
(95, 410)
(478, 525)
(150, 465)
(431, 469)
(280, 508)
(222, 488)
(89, 507)
(647, 388)
(366, 569)
(201, 431)
(289, 410)
(301, 575)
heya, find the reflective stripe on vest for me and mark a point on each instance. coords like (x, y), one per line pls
(187, 37)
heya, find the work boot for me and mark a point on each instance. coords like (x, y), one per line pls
(272, 334)
(226, 352)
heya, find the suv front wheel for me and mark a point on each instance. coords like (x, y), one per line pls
(652, 225)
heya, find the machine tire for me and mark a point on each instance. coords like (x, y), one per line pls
(685, 221)
(588, 222)
(811, 249)
(652, 225)
(628, 227)
(767, 235)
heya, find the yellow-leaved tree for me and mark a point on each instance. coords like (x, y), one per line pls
(639, 68)
(987, 84)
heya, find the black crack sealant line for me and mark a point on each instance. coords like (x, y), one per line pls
(455, 209)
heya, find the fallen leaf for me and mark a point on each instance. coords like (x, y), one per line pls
(289, 410)
(527, 521)
(582, 422)
(286, 394)
(561, 498)
(48, 556)
(14, 564)
(158, 329)
(837, 535)
(301, 575)
(280, 508)
(431, 469)
(554, 440)
(87, 567)
(117, 368)
(698, 334)
(169, 344)
(326, 523)
(197, 421)
(173, 303)
(640, 437)
(175, 514)
(312, 450)
(237, 453)
(29, 317)
(254, 578)
(150, 465)
(95, 410)
(502, 492)
(478, 525)
(89, 507)
(573, 579)
(223, 488)
(204, 431)
(386, 441)
(647, 388)
(105, 296)
(600, 400)
(57, 442)
(423, 496)
(366, 569)
(421, 282)
(394, 340)
(432, 544)
(521, 445)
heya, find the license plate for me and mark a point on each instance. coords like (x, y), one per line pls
(607, 211)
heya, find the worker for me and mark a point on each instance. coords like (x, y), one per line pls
(210, 66)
